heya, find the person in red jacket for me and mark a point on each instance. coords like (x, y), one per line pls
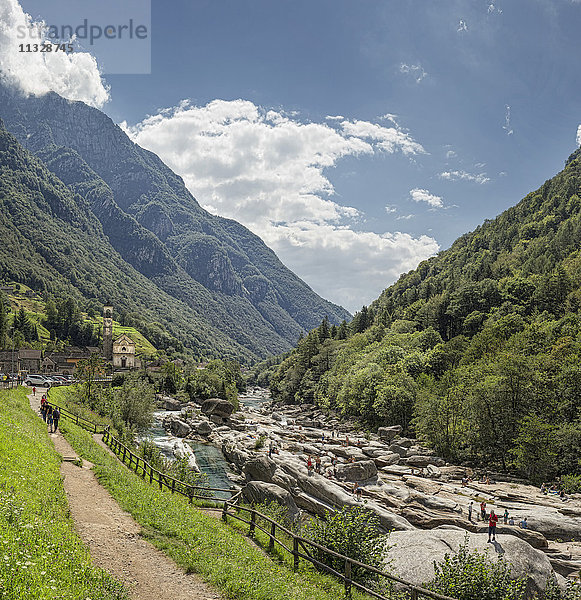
(492, 521)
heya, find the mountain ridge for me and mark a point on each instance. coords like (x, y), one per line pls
(215, 265)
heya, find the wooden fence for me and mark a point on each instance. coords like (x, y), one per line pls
(302, 548)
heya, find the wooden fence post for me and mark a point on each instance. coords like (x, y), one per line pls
(295, 553)
(124, 454)
(272, 535)
(252, 524)
(150, 474)
(77, 419)
(414, 594)
(173, 485)
(225, 512)
(347, 578)
(159, 479)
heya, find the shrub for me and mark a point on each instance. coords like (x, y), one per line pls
(571, 483)
(353, 532)
(473, 575)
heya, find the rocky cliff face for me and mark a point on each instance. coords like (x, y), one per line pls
(158, 227)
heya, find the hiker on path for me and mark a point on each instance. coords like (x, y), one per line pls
(50, 418)
(492, 521)
(56, 415)
(505, 516)
(34, 391)
(470, 507)
(483, 510)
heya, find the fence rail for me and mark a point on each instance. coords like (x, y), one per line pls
(231, 507)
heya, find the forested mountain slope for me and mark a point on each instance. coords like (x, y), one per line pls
(477, 350)
(222, 271)
(51, 240)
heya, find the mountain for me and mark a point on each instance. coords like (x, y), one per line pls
(477, 351)
(225, 274)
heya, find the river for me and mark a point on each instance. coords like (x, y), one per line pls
(210, 459)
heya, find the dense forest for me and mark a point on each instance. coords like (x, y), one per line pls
(477, 351)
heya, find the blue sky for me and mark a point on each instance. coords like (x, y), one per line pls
(450, 113)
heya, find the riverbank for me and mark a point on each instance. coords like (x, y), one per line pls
(403, 483)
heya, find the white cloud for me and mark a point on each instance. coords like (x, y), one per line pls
(579, 131)
(462, 26)
(421, 195)
(389, 209)
(335, 118)
(74, 76)
(267, 170)
(416, 71)
(451, 154)
(480, 178)
(405, 217)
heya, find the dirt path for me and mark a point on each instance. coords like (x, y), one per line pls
(113, 537)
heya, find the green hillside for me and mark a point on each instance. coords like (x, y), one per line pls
(477, 350)
(54, 244)
(225, 277)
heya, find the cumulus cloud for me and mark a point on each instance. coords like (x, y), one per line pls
(421, 195)
(579, 134)
(416, 71)
(479, 178)
(267, 170)
(74, 76)
(462, 26)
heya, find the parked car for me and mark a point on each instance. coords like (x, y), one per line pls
(37, 380)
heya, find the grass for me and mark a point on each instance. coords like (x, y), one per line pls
(41, 555)
(200, 543)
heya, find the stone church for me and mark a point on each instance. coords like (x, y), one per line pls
(121, 351)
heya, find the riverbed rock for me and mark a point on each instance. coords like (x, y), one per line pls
(387, 434)
(357, 471)
(203, 428)
(260, 468)
(180, 428)
(413, 553)
(217, 406)
(216, 419)
(384, 460)
(421, 461)
(257, 492)
(183, 450)
(168, 403)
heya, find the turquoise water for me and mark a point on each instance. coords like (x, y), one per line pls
(210, 459)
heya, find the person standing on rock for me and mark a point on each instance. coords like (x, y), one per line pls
(318, 464)
(310, 464)
(470, 507)
(483, 511)
(505, 516)
(492, 521)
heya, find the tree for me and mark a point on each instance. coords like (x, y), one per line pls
(171, 378)
(136, 402)
(535, 450)
(87, 371)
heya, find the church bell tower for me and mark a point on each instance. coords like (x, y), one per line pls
(108, 332)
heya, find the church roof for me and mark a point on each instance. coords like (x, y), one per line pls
(124, 339)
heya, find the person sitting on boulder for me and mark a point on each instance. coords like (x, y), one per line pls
(523, 524)
(511, 521)
(543, 489)
(492, 521)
